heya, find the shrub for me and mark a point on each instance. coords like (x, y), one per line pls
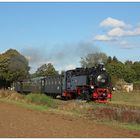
(15, 96)
(137, 85)
(4, 93)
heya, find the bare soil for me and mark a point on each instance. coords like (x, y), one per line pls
(17, 122)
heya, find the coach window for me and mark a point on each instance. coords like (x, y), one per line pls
(42, 82)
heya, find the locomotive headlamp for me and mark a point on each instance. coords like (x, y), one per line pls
(92, 87)
(101, 79)
(114, 89)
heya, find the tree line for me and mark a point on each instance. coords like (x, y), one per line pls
(15, 67)
(128, 71)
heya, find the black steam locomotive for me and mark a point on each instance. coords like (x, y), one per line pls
(82, 83)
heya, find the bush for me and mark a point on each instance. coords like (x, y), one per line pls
(16, 96)
(40, 99)
(4, 93)
(137, 85)
(10, 94)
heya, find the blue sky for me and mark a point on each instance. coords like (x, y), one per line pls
(61, 33)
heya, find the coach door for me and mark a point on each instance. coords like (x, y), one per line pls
(42, 85)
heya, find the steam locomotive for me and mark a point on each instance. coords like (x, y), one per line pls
(80, 83)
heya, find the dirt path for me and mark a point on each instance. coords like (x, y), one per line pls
(16, 121)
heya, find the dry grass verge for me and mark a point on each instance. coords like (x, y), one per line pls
(36, 98)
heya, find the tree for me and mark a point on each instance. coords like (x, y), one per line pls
(63, 72)
(115, 59)
(118, 70)
(128, 63)
(46, 69)
(129, 74)
(93, 59)
(136, 68)
(109, 59)
(115, 69)
(13, 66)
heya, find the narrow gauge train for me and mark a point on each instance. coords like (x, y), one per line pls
(82, 83)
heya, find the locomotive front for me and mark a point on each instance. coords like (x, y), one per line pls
(100, 84)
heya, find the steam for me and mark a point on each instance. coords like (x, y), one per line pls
(61, 56)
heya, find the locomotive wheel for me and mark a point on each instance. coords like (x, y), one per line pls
(84, 96)
(54, 96)
(64, 98)
(87, 96)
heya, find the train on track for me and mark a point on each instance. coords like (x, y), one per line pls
(80, 83)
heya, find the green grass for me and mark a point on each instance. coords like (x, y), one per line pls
(40, 99)
(33, 101)
(116, 124)
(124, 98)
(25, 105)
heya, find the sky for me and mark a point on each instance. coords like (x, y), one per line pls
(61, 33)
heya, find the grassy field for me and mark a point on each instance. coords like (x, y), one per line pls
(124, 98)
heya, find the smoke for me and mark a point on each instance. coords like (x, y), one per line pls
(60, 55)
(72, 52)
(33, 55)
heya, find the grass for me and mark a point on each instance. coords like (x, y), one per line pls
(124, 98)
(25, 105)
(33, 101)
(116, 124)
(40, 99)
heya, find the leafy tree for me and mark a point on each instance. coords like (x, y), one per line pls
(46, 69)
(62, 72)
(115, 59)
(13, 66)
(93, 59)
(115, 69)
(129, 74)
(136, 68)
(109, 59)
(128, 63)
(118, 70)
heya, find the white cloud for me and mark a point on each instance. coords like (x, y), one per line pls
(138, 24)
(102, 38)
(66, 67)
(112, 22)
(119, 29)
(135, 32)
(126, 45)
(118, 32)
(71, 66)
